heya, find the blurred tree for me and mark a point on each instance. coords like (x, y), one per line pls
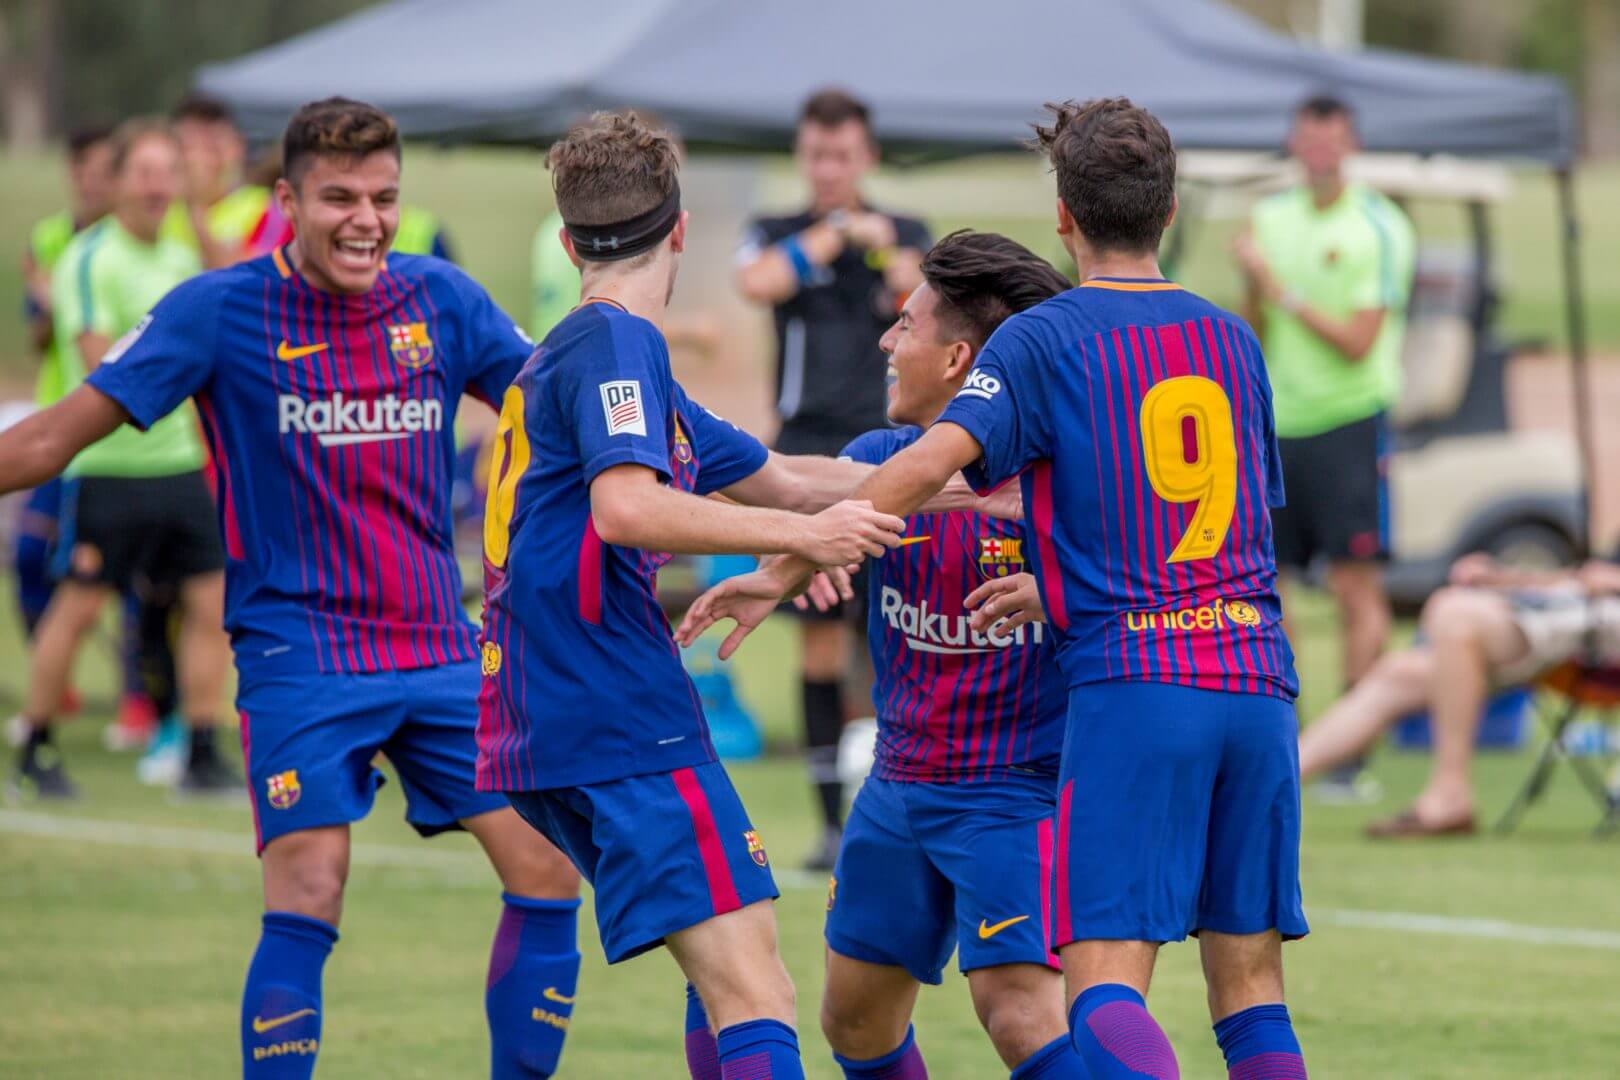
(26, 29)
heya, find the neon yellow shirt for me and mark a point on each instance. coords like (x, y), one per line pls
(1356, 254)
(554, 279)
(105, 283)
(49, 238)
(230, 221)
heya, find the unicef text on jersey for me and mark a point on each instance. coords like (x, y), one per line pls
(343, 421)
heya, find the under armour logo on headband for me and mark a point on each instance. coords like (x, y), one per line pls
(611, 243)
(625, 239)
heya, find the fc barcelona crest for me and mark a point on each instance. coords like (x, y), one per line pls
(683, 445)
(410, 345)
(756, 849)
(283, 789)
(1001, 556)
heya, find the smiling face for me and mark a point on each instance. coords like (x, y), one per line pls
(344, 212)
(927, 364)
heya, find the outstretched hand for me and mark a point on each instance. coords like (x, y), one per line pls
(746, 599)
(1005, 604)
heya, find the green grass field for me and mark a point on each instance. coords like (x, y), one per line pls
(126, 923)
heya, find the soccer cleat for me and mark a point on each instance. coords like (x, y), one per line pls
(44, 778)
(211, 777)
(136, 726)
(825, 855)
(164, 762)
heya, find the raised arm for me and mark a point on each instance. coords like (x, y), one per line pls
(631, 508)
(40, 447)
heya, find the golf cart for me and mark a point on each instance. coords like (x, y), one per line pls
(1461, 479)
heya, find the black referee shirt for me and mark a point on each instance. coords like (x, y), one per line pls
(829, 371)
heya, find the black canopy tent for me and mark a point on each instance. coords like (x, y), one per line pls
(943, 79)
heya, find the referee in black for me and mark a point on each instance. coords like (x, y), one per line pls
(835, 275)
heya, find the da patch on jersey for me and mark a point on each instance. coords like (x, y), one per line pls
(621, 405)
(121, 346)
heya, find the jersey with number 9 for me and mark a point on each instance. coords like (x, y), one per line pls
(1138, 418)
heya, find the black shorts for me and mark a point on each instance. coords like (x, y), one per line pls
(141, 533)
(1338, 496)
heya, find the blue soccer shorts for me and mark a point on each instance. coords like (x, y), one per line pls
(926, 868)
(663, 851)
(308, 742)
(1178, 811)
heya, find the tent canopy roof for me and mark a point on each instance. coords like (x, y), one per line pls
(941, 78)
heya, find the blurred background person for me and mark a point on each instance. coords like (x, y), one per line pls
(1494, 627)
(1329, 268)
(835, 275)
(141, 516)
(220, 208)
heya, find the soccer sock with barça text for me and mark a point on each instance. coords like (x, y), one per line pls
(529, 997)
(281, 1003)
(1118, 1038)
(702, 1053)
(1057, 1060)
(759, 1050)
(1259, 1044)
(905, 1062)
(823, 723)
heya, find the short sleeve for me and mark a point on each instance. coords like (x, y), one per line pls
(872, 448)
(82, 300)
(1382, 274)
(1003, 406)
(621, 397)
(167, 357)
(494, 345)
(725, 452)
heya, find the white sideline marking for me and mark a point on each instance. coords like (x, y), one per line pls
(460, 863)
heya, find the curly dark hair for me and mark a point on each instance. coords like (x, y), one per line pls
(1116, 171)
(982, 279)
(338, 127)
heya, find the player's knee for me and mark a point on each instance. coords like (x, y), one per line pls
(854, 1030)
(1452, 614)
(541, 872)
(305, 879)
(1019, 1025)
(1402, 669)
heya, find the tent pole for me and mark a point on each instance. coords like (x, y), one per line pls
(1580, 371)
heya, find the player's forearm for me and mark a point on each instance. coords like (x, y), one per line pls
(1006, 502)
(662, 519)
(812, 482)
(1352, 338)
(909, 479)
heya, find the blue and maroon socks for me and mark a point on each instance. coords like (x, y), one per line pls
(1118, 1038)
(759, 1050)
(281, 1003)
(702, 1053)
(1259, 1044)
(905, 1062)
(529, 997)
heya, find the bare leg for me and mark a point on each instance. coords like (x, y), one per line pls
(1241, 970)
(866, 1008)
(1092, 963)
(71, 615)
(733, 961)
(527, 862)
(1021, 1008)
(1396, 685)
(203, 655)
(1471, 633)
(305, 871)
(1364, 615)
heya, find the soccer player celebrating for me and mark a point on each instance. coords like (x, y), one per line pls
(327, 375)
(1138, 419)
(588, 721)
(949, 843)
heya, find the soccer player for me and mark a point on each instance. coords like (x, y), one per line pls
(328, 375)
(949, 843)
(1137, 418)
(588, 721)
(140, 507)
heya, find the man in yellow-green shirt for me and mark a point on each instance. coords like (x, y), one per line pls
(220, 210)
(143, 516)
(1329, 266)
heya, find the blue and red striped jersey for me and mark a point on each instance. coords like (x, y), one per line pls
(330, 419)
(954, 705)
(583, 680)
(1139, 418)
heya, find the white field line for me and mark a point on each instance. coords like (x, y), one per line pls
(466, 863)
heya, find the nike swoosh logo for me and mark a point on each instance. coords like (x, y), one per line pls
(284, 351)
(987, 932)
(262, 1026)
(551, 994)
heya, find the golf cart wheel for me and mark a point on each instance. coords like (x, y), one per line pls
(1532, 545)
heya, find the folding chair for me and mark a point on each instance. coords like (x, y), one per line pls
(1569, 691)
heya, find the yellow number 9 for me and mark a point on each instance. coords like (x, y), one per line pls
(507, 463)
(1191, 454)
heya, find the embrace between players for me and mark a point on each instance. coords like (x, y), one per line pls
(1058, 796)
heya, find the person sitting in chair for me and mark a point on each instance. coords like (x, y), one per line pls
(1494, 626)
